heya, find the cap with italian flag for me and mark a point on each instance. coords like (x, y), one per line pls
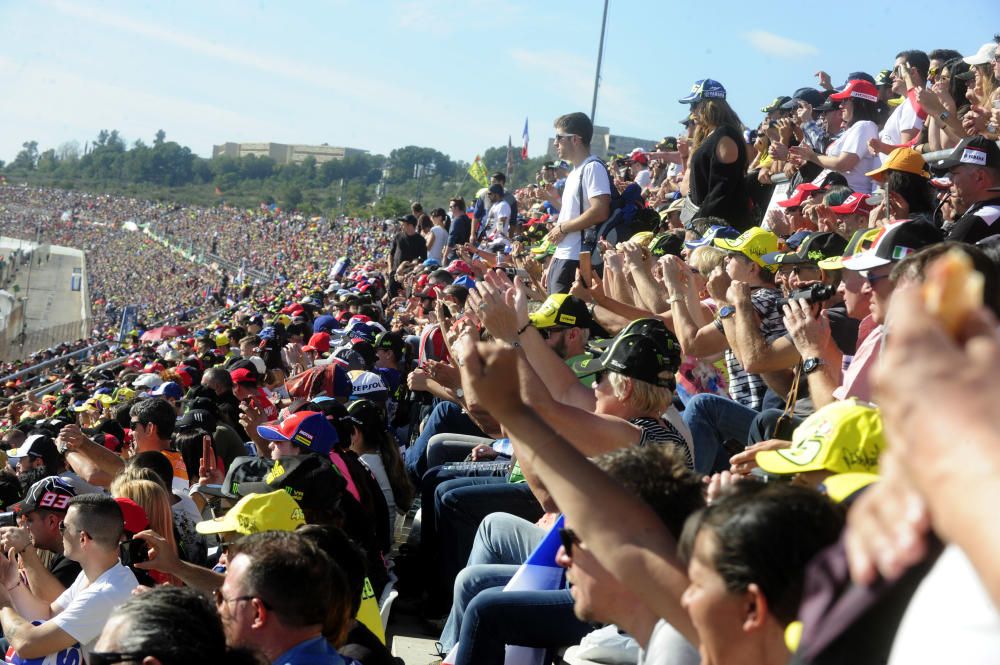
(894, 243)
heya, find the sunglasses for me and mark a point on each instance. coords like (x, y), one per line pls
(560, 137)
(548, 332)
(568, 538)
(109, 657)
(222, 600)
(873, 279)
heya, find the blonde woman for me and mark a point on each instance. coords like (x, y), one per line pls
(151, 496)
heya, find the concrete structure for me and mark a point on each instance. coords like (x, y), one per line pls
(283, 153)
(605, 143)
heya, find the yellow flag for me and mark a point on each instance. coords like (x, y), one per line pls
(478, 172)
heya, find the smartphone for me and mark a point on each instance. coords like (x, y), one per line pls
(133, 551)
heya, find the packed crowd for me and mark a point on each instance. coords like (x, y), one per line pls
(728, 399)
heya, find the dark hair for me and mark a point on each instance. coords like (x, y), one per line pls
(917, 59)
(441, 276)
(371, 425)
(348, 558)
(657, 475)
(289, 574)
(499, 175)
(156, 411)
(915, 189)
(458, 292)
(766, 534)
(577, 123)
(943, 55)
(161, 611)
(100, 516)
(189, 444)
(958, 88)
(156, 462)
(864, 110)
(416, 207)
(424, 222)
(458, 202)
(990, 247)
(439, 213)
(914, 267)
(122, 413)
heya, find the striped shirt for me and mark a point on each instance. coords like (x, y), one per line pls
(748, 389)
(655, 430)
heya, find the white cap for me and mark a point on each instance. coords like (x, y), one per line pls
(147, 381)
(983, 55)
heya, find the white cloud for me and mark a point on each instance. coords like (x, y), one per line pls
(778, 46)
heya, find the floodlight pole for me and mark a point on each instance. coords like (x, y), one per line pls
(600, 57)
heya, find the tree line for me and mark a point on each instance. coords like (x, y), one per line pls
(360, 184)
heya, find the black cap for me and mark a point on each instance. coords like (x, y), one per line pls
(813, 249)
(856, 76)
(52, 493)
(973, 150)
(408, 219)
(196, 419)
(496, 189)
(245, 471)
(391, 342)
(311, 480)
(636, 356)
(811, 96)
(666, 243)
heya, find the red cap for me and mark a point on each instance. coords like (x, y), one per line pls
(134, 516)
(243, 375)
(639, 158)
(183, 373)
(858, 88)
(318, 342)
(856, 203)
(293, 309)
(459, 267)
(802, 192)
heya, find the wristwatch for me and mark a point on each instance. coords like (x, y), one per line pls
(944, 115)
(991, 128)
(726, 311)
(810, 365)
(459, 393)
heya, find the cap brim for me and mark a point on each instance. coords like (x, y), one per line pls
(793, 202)
(774, 257)
(773, 462)
(833, 263)
(865, 261)
(845, 485)
(218, 525)
(946, 163)
(587, 367)
(271, 433)
(246, 489)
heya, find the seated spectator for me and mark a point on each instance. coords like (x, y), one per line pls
(138, 628)
(92, 529)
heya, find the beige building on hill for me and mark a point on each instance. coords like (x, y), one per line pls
(283, 153)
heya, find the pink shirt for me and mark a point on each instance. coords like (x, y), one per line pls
(857, 377)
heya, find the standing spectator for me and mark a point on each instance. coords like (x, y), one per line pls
(483, 204)
(909, 74)
(586, 199)
(406, 246)
(439, 236)
(496, 227)
(849, 155)
(719, 161)
(461, 227)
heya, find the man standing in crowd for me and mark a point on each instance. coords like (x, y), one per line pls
(461, 227)
(92, 529)
(586, 199)
(483, 204)
(408, 245)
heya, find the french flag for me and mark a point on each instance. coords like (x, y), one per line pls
(539, 573)
(524, 137)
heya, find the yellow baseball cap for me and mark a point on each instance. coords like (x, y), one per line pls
(254, 513)
(842, 437)
(753, 243)
(845, 485)
(561, 310)
(642, 238)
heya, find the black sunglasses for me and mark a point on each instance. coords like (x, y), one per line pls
(109, 657)
(568, 538)
(547, 332)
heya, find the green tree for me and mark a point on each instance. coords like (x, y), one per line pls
(27, 158)
(291, 197)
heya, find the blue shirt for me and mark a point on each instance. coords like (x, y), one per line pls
(314, 651)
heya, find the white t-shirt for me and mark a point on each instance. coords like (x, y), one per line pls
(950, 618)
(595, 183)
(440, 243)
(374, 463)
(498, 220)
(87, 606)
(904, 118)
(855, 140)
(643, 178)
(666, 646)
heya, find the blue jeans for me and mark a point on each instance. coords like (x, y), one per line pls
(461, 505)
(503, 542)
(445, 417)
(713, 420)
(495, 618)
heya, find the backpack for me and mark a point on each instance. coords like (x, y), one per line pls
(622, 222)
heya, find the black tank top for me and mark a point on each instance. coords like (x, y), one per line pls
(719, 190)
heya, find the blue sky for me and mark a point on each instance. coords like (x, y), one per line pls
(457, 76)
